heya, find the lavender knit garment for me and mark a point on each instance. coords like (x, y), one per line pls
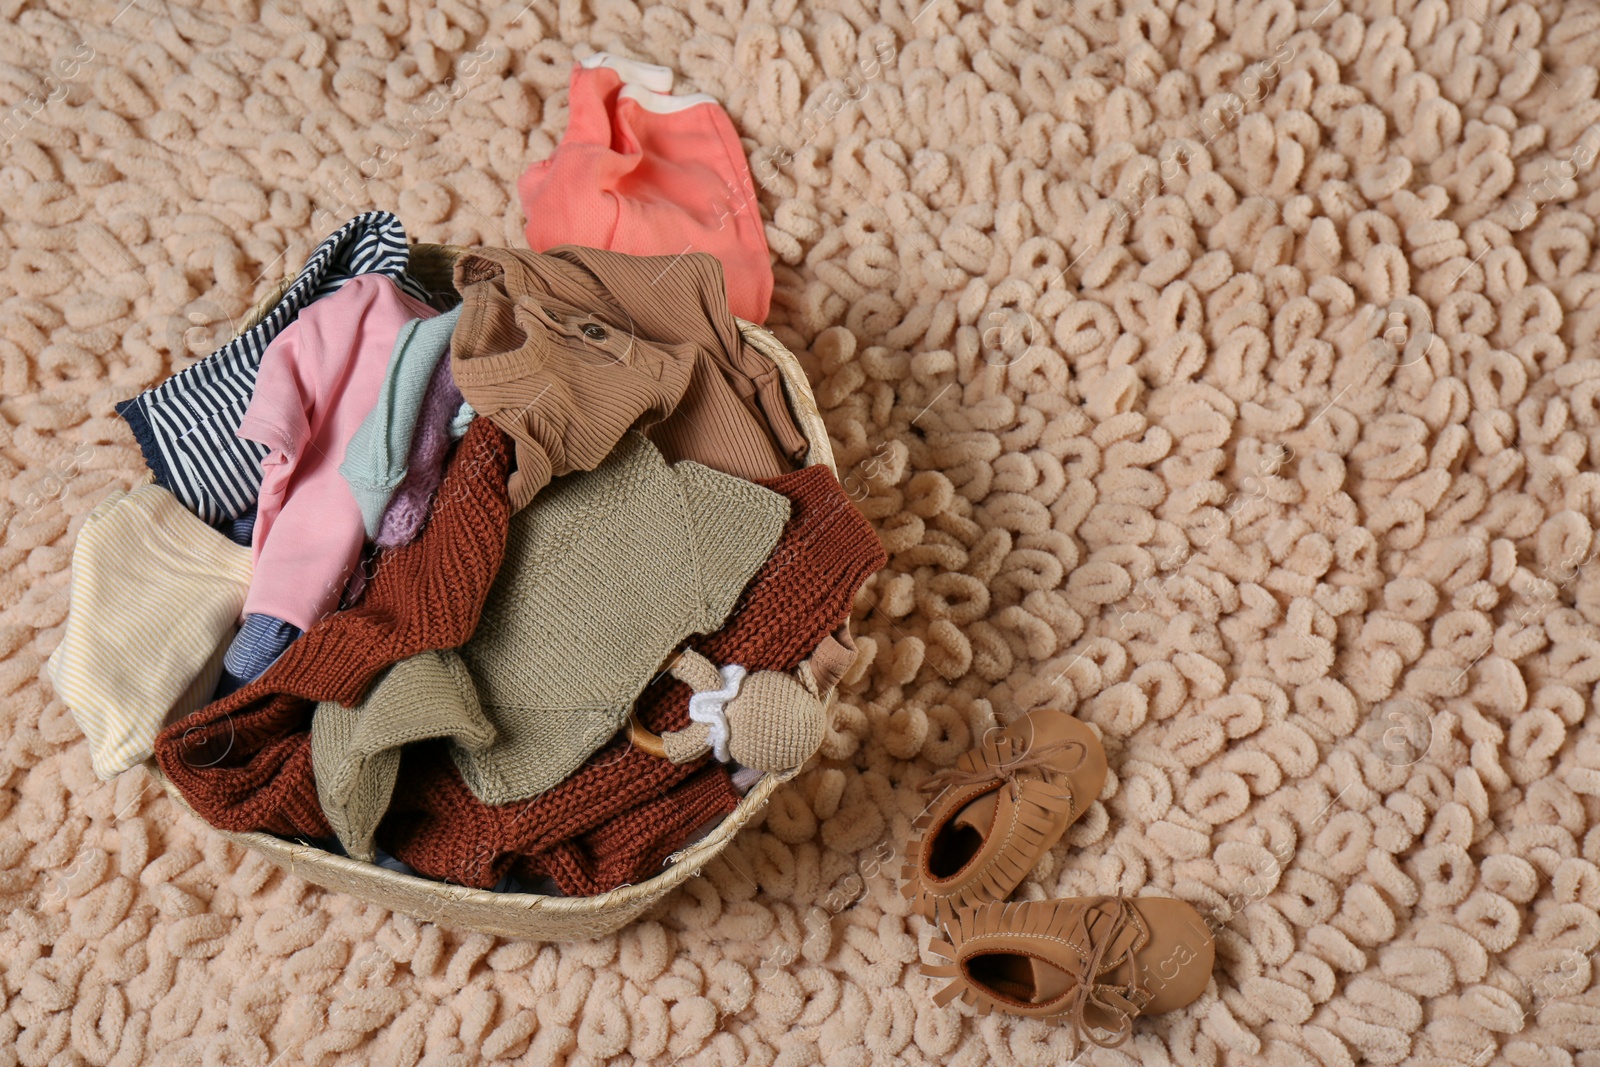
(408, 509)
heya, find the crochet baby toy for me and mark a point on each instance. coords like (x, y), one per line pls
(764, 720)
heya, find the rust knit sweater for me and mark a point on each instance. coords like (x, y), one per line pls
(624, 811)
(632, 846)
(244, 762)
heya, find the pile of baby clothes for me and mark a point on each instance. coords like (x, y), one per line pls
(161, 575)
(404, 576)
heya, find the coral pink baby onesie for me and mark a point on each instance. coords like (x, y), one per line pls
(318, 380)
(642, 172)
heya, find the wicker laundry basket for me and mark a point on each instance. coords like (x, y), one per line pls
(528, 915)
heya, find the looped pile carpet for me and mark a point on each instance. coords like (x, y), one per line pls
(1223, 371)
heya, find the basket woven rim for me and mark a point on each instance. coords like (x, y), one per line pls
(678, 867)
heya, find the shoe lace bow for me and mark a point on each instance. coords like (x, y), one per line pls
(1121, 1002)
(1005, 768)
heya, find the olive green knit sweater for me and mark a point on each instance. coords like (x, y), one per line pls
(605, 572)
(355, 751)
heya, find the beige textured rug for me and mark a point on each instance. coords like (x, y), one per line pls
(1223, 372)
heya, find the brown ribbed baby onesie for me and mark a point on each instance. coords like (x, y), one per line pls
(566, 350)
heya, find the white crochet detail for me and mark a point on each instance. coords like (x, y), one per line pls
(710, 707)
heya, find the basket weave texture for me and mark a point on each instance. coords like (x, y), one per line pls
(529, 916)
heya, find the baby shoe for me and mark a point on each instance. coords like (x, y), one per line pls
(1098, 961)
(999, 809)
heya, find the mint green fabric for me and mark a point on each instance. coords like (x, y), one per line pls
(375, 459)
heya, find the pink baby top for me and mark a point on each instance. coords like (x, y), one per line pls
(318, 380)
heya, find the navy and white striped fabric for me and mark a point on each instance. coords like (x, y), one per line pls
(186, 425)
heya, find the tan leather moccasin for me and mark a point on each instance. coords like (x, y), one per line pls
(999, 809)
(1098, 961)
